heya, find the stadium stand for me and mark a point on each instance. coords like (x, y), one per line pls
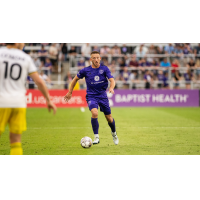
(134, 66)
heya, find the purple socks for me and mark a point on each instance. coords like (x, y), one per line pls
(95, 125)
(112, 126)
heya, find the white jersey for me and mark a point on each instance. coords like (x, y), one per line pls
(15, 65)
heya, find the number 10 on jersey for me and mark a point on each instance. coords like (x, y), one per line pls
(11, 71)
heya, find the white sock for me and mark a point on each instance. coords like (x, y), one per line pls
(114, 133)
(96, 135)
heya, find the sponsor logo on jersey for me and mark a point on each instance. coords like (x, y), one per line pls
(96, 78)
(101, 71)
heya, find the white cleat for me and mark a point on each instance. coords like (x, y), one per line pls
(115, 138)
(96, 140)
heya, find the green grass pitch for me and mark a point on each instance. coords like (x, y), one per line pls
(141, 131)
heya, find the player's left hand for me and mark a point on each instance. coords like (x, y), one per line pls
(111, 91)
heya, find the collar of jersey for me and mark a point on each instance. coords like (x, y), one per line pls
(95, 68)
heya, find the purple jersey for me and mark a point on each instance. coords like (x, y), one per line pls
(96, 79)
(81, 64)
(161, 77)
(187, 77)
(47, 65)
(165, 79)
(42, 51)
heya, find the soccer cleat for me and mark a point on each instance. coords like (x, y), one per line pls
(96, 140)
(115, 138)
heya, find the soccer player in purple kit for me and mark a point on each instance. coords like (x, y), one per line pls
(97, 76)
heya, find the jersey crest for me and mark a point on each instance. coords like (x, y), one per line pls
(96, 78)
(101, 71)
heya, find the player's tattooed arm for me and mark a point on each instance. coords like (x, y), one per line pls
(112, 85)
(68, 96)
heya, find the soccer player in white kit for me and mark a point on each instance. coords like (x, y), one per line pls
(15, 66)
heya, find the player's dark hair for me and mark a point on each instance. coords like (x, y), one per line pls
(10, 43)
(95, 52)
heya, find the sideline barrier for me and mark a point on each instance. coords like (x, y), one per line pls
(36, 99)
(155, 98)
(121, 98)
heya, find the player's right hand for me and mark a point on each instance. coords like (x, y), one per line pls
(68, 96)
(111, 91)
(52, 106)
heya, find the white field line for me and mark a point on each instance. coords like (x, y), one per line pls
(101, 127)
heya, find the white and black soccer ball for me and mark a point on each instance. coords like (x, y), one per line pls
(86, 142)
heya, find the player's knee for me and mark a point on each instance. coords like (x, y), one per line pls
(15, 138)
(94, 113)
(110, 120)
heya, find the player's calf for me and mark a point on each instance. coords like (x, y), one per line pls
(15, 144)
(109, 118)
(111, 123)
(95, 125)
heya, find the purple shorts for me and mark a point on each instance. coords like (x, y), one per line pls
(96, 102)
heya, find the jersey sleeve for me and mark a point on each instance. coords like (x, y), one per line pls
(81, 73)
(108, 73)
(31, 68)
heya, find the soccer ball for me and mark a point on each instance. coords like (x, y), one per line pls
(86, 142)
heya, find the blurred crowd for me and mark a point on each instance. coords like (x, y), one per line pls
(152, 65)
